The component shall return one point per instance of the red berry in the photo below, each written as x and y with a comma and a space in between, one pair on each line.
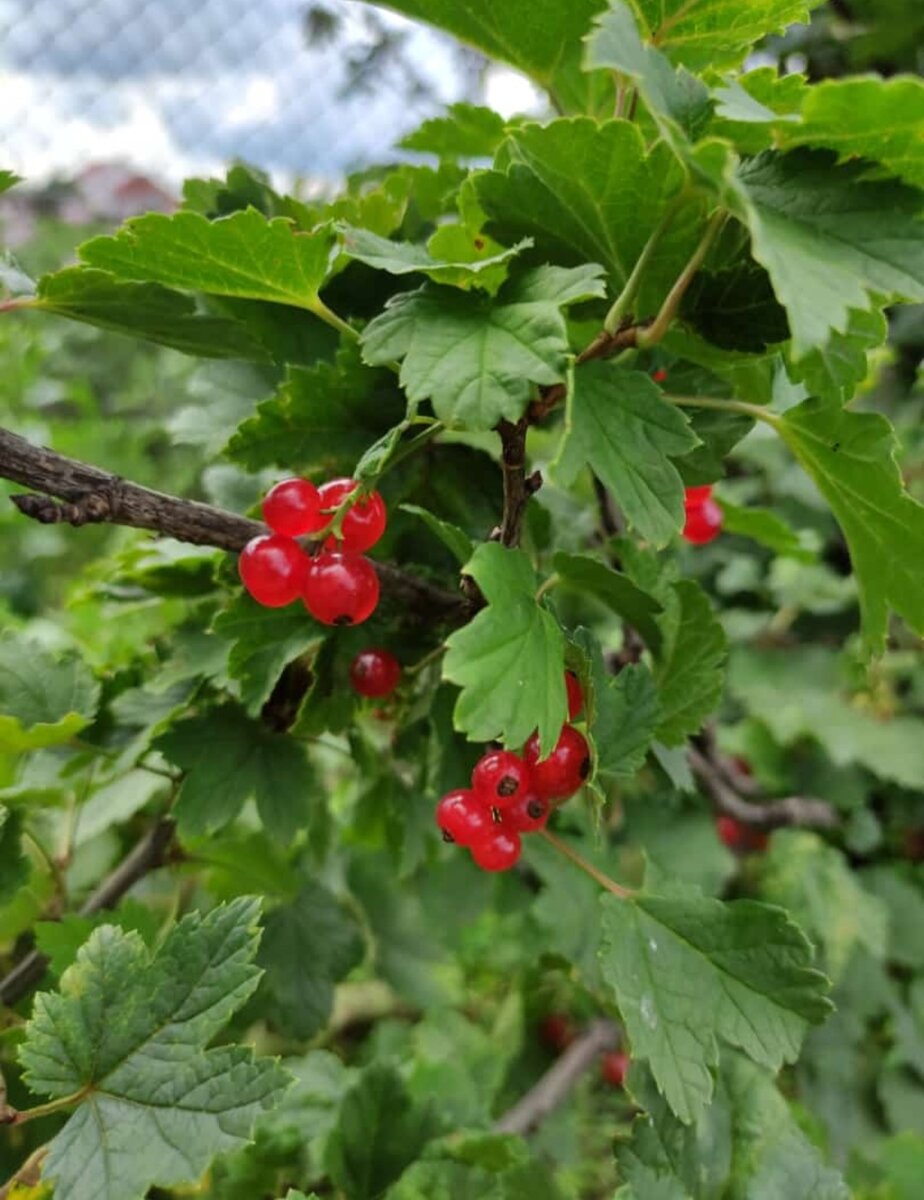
575, 695
613, 1067
694, 496
660, 375
556, 1031
273, 569
738, 836
704, 520
498, 851
292, 507
375, 673
363, 524
529, 814
500, 778
341, 589
463, 819
562, 773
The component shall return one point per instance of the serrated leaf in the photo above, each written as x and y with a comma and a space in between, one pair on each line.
128, 1032
691, 971
61, 940
454, 538
145, 310
623, 712
307, 947
865, 117
750, 107
264, 641
476, 358
44, 700
228, 758
831, 240
834, 370
850, 456
615, 590
509, 660
405, 258
689, 672
618, 423
765, 526
242, 255
378, 1134
14, 866
558, 183
465, 131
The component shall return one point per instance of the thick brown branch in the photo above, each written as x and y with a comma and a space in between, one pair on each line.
150, 852
603, 345
92, 495
557, 1082
772, 814
517, 486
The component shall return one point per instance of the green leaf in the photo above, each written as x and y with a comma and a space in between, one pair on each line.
476, 358
14, 866
831, 240
242, 255
405, 258
378, 1134
905, 904
557, 183
623, 712
735, 308
509, 660
44, 700
834, 370
61, 940
715, 33
308, 946
689, 672
8, 179
850, 456
128, 1030
264, 641
322, 419
145, 310
618, 423
466, 131
454, 538
227, 758
690, 971
481, 1167
865, 117
614, 589
764, 526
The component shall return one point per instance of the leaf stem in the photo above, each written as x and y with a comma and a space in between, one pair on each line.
609, 885
53, 1106
547, 584
626, 297
433, 655
738, 406
320, 309
53, 866
659, 327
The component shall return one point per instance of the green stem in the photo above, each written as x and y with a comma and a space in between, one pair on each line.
736, 406
546, 586
320, 309
609, 885
53, 867
412, 446
53, 1106
626, 297
659, 327
434, 654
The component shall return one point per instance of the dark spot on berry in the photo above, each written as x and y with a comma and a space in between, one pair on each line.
507, 786
535, 808
495, 816
343, 619
585, 766
447, 837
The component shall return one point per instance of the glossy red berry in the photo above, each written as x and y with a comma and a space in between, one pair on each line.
740, 837
341, 589
498, 851
529, 814
703, 519
363, 524
614, 1065
292, 507
660, 375
557, 1031
575, 695
500, 778
273, 569
463, 819
694, 496
562, 773
375, 672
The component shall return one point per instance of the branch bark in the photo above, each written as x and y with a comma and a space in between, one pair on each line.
803, 811
517, 486
553, 1088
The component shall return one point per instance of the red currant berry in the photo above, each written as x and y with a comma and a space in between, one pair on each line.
498, 851
557, 1031
562, 773
363, 524
463, 819
292, 507
575, 695
375, 673
500, 778
660, 375
703, 522
341, 589
742, 838
273, 569
529, 814
694, 496
614, 1065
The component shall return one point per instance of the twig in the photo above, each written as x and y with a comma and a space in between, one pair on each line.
546, 1095
659, 327
603, 345
28, 1174
149, 853
92, 495
774, 814
517, 487
598, 876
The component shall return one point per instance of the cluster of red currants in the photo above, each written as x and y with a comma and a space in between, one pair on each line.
338, 585
703, 515
513, 794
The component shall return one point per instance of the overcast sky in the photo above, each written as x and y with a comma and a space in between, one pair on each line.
178, 87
